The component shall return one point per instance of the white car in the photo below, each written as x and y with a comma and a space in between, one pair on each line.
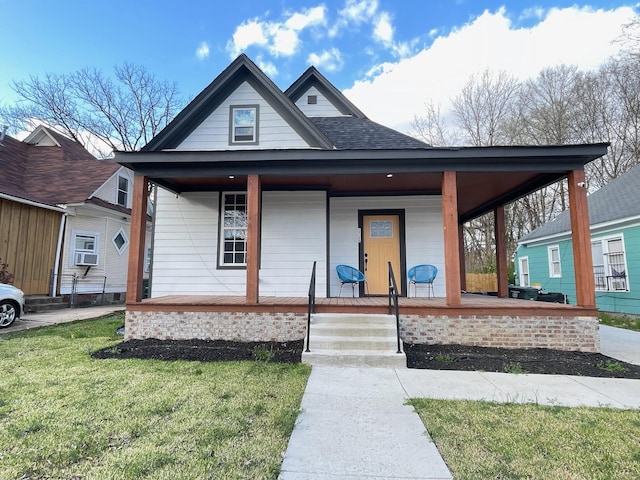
11, 304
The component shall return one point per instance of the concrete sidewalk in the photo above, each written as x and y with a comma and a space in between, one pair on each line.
35, 320
354, 424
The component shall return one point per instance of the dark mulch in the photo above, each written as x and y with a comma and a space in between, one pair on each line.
204, 350
535, 360
434, 357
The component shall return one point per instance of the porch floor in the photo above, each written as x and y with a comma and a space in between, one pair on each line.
470, 304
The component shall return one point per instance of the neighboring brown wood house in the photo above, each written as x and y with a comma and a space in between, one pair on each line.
257, 184
64, 216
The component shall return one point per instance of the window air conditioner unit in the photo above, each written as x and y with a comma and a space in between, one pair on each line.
86, 259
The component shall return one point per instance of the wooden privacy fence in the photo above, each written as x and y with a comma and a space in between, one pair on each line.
28, 239
482, 282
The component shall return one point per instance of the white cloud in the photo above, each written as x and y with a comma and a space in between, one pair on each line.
355, 12
269, 69
393, 92
278, 38
328, 60
202, 51
382, 29
247, 34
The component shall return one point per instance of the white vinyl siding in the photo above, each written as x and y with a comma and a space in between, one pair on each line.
111, 271
322, 107
186, 245
294, 235
423, 230
213, 132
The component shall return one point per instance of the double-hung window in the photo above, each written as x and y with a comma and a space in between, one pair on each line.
123, 191
234, 229
243, 124
609, 264
524, 272
555, 269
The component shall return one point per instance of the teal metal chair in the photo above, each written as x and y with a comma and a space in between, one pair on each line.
351, 276
422, 274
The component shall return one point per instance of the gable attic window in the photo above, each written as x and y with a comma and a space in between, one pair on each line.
243, 124
233, 232
123, 191
312, 99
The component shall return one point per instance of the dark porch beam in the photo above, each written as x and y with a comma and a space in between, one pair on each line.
581, 240
451, 243
254, 195
501, 251
137, 238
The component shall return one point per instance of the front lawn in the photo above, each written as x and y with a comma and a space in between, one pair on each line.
485, 441
64, 414
630, 322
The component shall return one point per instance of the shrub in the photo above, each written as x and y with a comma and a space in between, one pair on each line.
5, 276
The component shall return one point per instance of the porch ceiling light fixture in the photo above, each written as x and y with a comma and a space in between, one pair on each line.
389, 175
232, 177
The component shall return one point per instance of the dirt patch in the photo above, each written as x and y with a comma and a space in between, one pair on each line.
434, 357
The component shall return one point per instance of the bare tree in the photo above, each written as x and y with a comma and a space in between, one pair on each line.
432, 127
119, 112
484, 106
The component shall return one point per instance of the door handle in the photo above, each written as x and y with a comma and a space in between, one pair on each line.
366, 260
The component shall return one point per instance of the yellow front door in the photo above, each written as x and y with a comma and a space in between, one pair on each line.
381, 244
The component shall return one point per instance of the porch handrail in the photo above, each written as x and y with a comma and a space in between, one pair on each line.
312, 302
393, 302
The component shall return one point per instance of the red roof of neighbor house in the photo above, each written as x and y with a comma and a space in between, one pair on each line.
50, 174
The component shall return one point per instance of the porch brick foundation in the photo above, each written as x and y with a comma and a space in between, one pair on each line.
245, 327
558, 333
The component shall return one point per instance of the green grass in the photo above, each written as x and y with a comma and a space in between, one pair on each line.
66, 415
482, 440
620, 321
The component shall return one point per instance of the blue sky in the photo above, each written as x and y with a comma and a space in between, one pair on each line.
389, 56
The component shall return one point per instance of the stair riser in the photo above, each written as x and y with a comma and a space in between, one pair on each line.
348, 345
397, 361
356, 320
336, 331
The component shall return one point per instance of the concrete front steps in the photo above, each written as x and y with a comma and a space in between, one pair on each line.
354, 340
44, 303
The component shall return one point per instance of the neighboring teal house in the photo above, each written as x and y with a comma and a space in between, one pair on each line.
545, 256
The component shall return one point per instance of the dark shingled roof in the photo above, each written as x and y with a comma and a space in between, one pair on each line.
352, 133
617, 200
50, 174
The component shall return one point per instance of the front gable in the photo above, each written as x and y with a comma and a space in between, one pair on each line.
329, 101
272, 129
205, 124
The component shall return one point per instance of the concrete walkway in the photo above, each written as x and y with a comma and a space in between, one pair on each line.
354, 424
34, 320
620, 343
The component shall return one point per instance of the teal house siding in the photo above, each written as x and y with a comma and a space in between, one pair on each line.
614, 216
621, 301
539, 268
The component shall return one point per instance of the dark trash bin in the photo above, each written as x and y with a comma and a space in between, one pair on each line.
555, 297
523, 293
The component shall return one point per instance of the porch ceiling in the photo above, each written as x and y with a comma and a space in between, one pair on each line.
486, 176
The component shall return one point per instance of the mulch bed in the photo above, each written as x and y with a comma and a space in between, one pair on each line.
434, 357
